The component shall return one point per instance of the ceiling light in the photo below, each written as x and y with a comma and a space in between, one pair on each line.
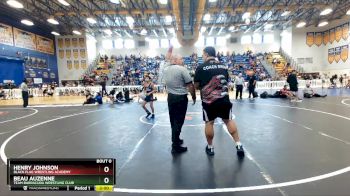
246, 15
231, 28
115, 1
130, 20
53, 21
76, 32
285, 13
326, 11
91, 20
63, 2
212, 1
108, 31
268, 26
227, 36
55, 33
144, 32
15, 4
301, 24
322, 24
171, 30
163, 2
203, 29
206, 17
247, 21
168, 19
27, 22
348, 12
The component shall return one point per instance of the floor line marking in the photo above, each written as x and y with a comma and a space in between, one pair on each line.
344, 102
3, 146
35, 111
262, 170
335, 138
136, 148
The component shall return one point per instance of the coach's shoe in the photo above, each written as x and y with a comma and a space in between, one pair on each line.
240, 151
152, 116
178, 149
148, 114
209, 151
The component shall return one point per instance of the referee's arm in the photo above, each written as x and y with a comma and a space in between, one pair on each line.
188, 81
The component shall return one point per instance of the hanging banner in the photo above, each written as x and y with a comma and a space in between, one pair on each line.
34, 62
68, 54
52, 75
82, 42
24, 39
338, 33
61, 54
82, 53
331, 36
310, 38
345, 31
60, 42
331, 55
45, 45
69, 64
75, 53
75, 42
318, 38
325, 37
337, 52
344, 53
83, 64
6, 34
67, 42
45, 74
76, 64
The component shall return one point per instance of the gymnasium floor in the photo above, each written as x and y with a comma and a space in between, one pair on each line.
292, 148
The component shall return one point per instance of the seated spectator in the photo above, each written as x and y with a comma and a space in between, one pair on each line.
98, 98
112, 95
2, 93
348, 84
89, 98
309, 92
285, 93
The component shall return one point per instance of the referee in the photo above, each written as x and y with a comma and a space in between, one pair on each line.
178, 82
25, 94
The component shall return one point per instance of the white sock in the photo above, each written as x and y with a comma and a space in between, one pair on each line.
238, 144
210, 146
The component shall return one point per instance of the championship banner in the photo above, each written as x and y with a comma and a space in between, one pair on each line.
61, 54
338, 33
318, 38
83, 64
68, 54
6, 34
82, 42
345, 31
45, 45
331, 35
69, 64
60, 42
67, 42
337, 53
76, 53
310, 38
24, 39
331, 55
52, 75
76, 64
325, 37
45, 74
34, 62
82, 53
344, 53
75, 42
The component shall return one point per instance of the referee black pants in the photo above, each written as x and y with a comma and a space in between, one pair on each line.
25, 97
239, 90
177, 105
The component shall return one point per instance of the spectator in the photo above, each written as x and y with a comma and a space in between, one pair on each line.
309, 92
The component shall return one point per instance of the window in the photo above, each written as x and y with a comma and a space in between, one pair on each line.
153, 43
210, 41
221, 41
246, 39
200, 42
118, 43
164, 43
257, 38
107, 44
129, 43
268, 38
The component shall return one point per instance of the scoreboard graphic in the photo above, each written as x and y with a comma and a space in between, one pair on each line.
61, 174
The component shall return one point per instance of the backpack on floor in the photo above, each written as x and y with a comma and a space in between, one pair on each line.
264, 95
255, 94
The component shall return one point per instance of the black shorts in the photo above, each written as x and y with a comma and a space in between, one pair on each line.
221, 109
149, 98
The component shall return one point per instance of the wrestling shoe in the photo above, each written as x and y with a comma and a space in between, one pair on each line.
178, 149
240, 151
148, 114
209, 151
152, 116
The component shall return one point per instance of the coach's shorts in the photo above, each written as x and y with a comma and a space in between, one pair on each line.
221, 110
